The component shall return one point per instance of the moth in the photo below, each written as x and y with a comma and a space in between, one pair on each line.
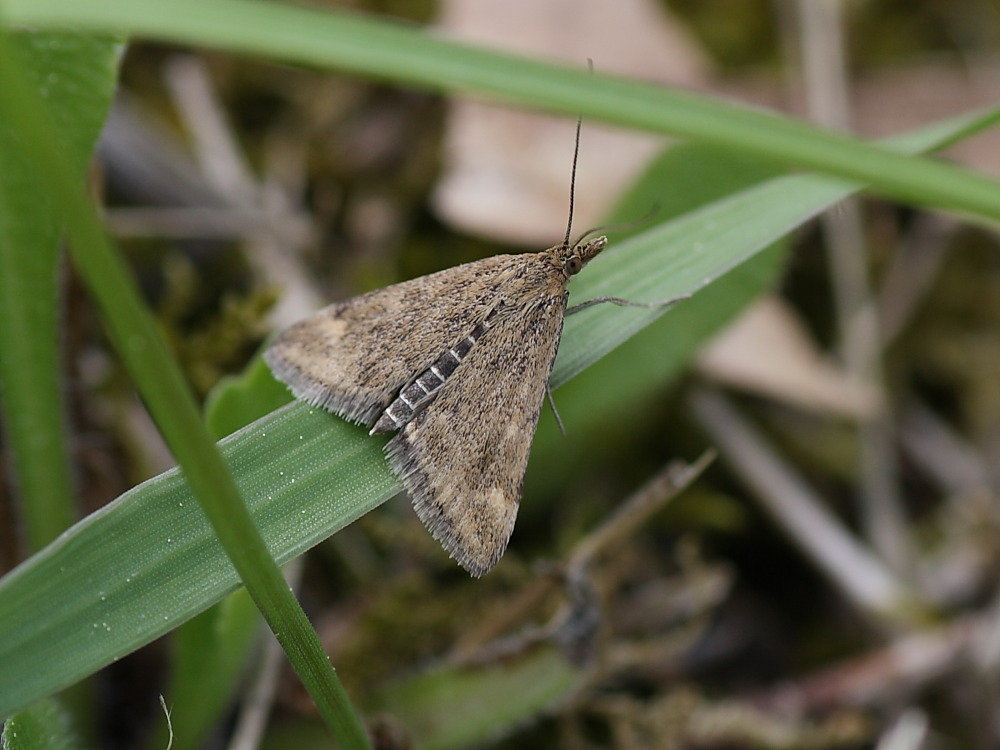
457, 364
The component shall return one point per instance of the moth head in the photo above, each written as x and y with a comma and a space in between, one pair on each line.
574, 257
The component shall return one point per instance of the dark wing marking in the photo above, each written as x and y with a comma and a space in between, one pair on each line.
462, 458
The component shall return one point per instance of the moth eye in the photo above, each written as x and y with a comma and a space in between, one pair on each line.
573, 265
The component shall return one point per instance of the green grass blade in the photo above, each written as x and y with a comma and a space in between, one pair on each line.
149, 561
210, 652
44, 725
237, 401
454, 708
78, 74
392, 51
683, 256
160, 382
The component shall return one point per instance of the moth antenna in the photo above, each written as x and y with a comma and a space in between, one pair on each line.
620, 226
572, 176
572, 183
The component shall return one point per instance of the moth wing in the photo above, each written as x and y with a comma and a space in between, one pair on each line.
353, 356
463, 457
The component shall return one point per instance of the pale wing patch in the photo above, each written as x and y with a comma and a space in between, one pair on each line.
352, 357
462, 458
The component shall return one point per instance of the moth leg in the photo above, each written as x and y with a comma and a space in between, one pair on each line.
624, 303
555, 411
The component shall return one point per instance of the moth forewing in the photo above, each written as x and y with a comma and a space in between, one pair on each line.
462, 459
353, 357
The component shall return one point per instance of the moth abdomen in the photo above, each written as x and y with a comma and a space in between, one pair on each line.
419, 392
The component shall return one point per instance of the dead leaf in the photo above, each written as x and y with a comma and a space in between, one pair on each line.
507, 172
767, 351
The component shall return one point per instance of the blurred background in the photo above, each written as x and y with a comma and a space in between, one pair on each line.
829, 580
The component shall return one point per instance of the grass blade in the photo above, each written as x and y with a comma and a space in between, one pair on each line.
391, 51
170, 402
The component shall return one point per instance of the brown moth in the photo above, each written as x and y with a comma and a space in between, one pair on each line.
457, 363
